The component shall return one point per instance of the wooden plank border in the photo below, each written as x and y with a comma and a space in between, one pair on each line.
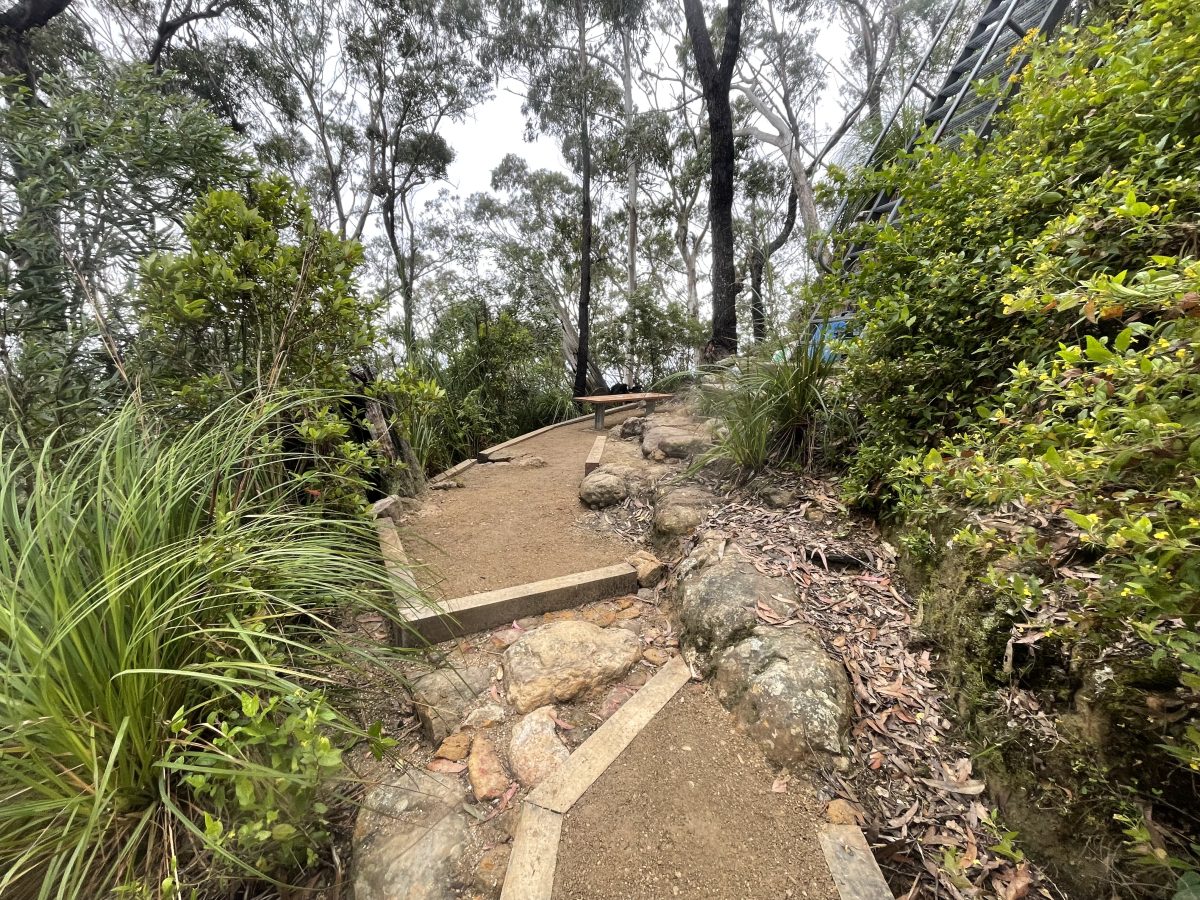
485, 455
479, 612
561, 790
855, 872
593, 459
531, 868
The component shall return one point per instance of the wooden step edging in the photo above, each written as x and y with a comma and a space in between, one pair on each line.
855, 872
486, 455
534, 857
480, 612
431, 624
593, 459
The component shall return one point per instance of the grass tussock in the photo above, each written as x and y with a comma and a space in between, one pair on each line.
169, 658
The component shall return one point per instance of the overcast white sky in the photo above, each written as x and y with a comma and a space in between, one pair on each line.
497, 129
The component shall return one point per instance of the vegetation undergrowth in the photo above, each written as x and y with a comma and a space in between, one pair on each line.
776, 405
1024, 364
171, 662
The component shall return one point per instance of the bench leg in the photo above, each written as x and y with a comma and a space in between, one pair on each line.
599, 421
650, 406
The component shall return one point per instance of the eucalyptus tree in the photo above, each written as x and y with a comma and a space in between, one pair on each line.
715, 75
554, 44
421, 67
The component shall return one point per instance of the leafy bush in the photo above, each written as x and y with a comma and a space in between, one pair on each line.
1025, 364
1091, 171
263, 299
168, 660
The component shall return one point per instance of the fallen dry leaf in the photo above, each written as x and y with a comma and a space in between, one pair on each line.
446, 766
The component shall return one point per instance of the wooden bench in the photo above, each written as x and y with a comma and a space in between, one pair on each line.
601, 402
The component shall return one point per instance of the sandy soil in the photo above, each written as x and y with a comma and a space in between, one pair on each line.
688, 811
512, 524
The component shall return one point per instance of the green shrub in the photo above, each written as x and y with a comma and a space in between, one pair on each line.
1025, 364
1093, 169
169, 658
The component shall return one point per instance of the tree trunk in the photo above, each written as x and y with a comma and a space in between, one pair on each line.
759, 257
585, 233
715, 80
631, 211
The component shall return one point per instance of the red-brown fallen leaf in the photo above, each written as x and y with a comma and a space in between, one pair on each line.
446, 766
505, 799
565, 726
1018, 887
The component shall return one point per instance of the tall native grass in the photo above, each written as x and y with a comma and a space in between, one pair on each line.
169, 658
775, 405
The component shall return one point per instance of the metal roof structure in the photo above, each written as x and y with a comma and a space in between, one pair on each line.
995, 50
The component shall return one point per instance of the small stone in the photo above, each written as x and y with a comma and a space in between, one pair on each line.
636, 678
489, 779
629, 612
600, 615
485, 717
529, 622
442, 697
493, 865
530, 462
776, 497
505, 638
645, 595
560, 615
658, 456
625, 602
535, 750
654, 656
614, 700
602, 489
447, 485
632, 427
455, 746
650, 569
841, 812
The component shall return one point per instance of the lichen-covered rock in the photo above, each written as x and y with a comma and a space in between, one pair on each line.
602, 489
632, 427
680, 511
409, 836
534, 749
787, 693
674, 442
564, 660
442, 697
718, 605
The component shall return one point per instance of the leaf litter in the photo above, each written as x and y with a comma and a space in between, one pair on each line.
910, 777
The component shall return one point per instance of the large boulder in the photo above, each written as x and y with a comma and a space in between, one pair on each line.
672, 441
787, 693
442, 697
718, 604
563, 660
534, 749
602, 489
680, 511
408, 839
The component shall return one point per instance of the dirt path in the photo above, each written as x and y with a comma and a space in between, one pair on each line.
688, 811
511, 524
